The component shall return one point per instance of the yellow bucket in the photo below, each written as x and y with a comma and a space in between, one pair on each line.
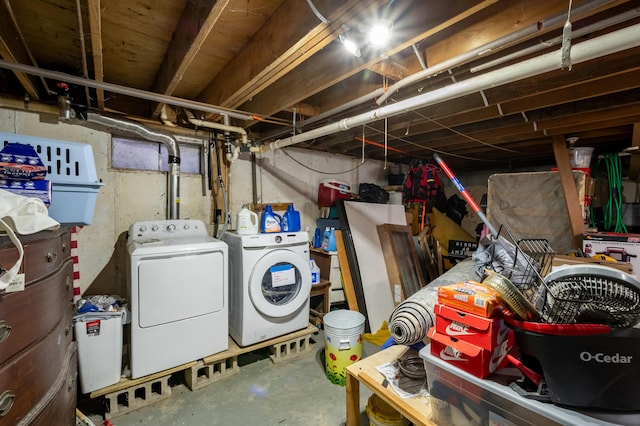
343, 331
382, 414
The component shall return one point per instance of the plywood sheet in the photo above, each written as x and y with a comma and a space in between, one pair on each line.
363, 219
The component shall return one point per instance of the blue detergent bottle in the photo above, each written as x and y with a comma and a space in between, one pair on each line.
291, 220
271, 221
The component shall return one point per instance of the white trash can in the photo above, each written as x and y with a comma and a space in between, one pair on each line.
99, 337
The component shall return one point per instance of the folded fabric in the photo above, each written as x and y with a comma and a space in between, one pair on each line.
22, 215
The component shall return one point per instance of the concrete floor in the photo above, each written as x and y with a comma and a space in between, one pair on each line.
292, 393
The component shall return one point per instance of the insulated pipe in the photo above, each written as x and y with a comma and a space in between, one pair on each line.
156, 136
613, 42
326, 114
605, 23
129, 91
232, 156
484, 49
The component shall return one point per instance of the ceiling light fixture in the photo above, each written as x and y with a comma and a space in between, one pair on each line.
380, 33
350, 45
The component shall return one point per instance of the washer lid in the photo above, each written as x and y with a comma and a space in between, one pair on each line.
280, 283
176, 245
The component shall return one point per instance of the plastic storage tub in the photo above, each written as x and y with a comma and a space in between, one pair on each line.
456, 393
72, 172
99, 337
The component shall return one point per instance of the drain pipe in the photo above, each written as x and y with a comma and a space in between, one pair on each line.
232, 153
117, 123
607, 44
343, 107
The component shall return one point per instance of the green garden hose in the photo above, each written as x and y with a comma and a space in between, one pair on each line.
612, 210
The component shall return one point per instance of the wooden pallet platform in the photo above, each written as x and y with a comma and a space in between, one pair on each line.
131, 394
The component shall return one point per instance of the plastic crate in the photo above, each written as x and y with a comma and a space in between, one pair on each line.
72, 172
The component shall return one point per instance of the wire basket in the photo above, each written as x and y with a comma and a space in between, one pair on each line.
560, 302
523, 261
605, 295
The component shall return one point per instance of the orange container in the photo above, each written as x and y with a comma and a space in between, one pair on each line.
469, 296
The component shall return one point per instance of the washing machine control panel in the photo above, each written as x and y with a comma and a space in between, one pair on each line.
167, 229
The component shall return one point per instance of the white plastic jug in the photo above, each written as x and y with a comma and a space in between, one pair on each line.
247, 221
315, 271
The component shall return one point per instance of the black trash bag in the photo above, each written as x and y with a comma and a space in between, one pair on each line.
456, 209
373, 193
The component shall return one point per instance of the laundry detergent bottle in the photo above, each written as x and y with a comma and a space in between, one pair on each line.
291, 220
271, 221
247, 221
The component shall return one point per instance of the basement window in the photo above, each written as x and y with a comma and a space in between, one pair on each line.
133, 154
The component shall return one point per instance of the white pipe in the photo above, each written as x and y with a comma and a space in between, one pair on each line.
343, 107
164, 117
606, 23
485, 49
235, 152
607, 44
218, 126
130, 91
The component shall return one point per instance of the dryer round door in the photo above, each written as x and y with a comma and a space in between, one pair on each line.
280, 283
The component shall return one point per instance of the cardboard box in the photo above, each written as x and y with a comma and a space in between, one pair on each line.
29, 188
469, 296
486, 333
622, 247
468, 357
21, 161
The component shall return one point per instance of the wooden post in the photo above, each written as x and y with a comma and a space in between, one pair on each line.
569, 189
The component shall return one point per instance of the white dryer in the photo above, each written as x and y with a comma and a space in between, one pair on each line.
269, 285
178, 294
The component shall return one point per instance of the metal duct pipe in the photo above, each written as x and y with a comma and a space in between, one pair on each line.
484, 49
613, 42
144, 132
129, 91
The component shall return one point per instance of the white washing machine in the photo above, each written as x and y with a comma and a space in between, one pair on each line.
178, 294
269, 285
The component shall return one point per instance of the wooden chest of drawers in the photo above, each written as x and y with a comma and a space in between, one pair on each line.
38, 365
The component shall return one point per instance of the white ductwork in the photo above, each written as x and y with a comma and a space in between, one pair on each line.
233, 152
613, 42
128, 126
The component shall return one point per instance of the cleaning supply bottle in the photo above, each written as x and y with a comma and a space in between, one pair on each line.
317, 238
291, 220
329, 240
315, 272
247, 223
271, 221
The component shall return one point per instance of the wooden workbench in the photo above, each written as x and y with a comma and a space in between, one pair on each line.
416, 409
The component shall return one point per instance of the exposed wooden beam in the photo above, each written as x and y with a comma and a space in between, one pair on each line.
195, 25
12, 48
634, 166
279, 47
331, 66
95, 29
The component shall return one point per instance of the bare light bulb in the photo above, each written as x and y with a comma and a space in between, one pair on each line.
380, 33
